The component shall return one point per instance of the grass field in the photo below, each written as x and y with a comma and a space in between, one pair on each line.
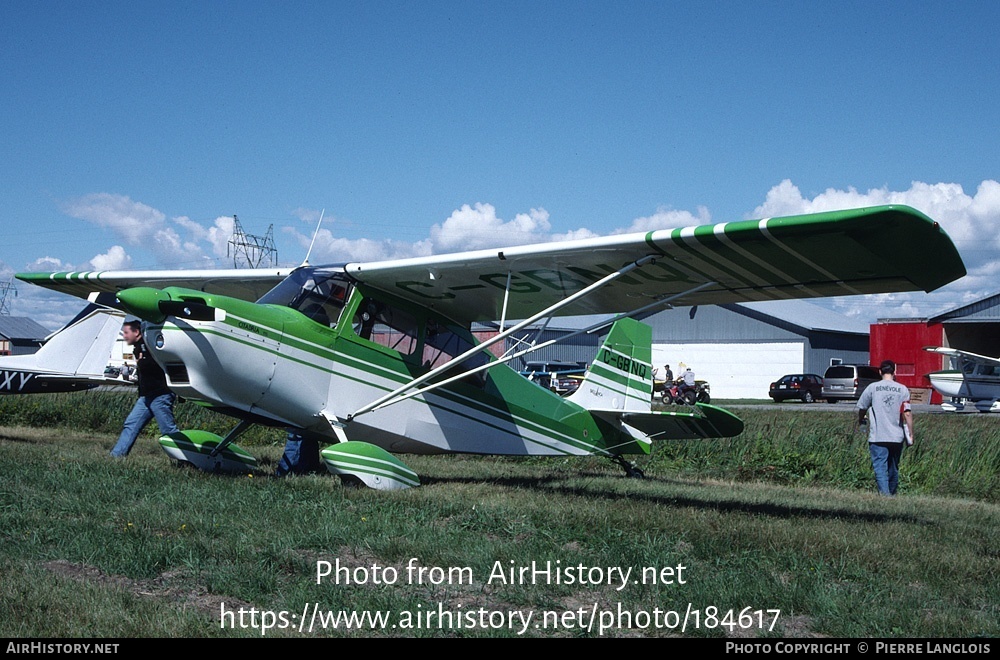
782, 518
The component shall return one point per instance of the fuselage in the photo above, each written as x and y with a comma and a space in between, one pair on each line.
33, 381
311, 367
972, 383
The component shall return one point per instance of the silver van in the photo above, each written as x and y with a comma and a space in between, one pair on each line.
848, 381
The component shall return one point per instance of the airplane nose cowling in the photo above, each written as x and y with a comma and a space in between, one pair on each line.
144, 302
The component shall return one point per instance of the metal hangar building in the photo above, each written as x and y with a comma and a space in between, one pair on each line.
740, 349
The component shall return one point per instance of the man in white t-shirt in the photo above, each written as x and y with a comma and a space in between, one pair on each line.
890, 425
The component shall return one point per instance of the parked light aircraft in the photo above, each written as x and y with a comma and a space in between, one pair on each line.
71, 359
973, 377
378, 357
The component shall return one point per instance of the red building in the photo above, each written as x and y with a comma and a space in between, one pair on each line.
973, 327
903, 341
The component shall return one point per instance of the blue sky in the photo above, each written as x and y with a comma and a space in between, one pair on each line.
132, 132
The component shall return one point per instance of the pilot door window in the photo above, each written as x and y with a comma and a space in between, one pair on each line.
442, 344
387, 326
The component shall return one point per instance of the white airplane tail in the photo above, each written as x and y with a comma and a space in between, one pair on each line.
618, 390
83, 347
621, 376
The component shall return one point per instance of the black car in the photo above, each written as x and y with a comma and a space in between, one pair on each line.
805, 387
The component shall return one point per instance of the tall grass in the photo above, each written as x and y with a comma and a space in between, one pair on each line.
953, 454
104, 411
956, 455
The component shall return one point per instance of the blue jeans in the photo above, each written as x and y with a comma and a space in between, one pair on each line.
301, 455
146, 408
885, 463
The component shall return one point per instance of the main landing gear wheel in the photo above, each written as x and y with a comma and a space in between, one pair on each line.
631, 471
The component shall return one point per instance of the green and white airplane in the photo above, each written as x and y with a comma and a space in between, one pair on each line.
379, 359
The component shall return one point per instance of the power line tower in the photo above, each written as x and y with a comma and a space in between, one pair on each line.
7, 290
250, 251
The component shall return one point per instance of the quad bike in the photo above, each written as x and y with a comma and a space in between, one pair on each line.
671, 393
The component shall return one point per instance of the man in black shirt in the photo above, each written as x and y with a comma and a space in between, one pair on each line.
155, 398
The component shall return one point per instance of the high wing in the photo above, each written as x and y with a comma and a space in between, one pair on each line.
246, 284
964, 355
860, 251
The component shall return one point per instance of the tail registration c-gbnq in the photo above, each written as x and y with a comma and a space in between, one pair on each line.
378, 358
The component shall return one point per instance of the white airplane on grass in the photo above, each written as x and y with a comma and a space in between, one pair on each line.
71, 359
974, 377
379, 357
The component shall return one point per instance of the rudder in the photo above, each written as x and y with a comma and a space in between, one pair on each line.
621, 376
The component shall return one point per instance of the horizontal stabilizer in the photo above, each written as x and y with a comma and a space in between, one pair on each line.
703, 421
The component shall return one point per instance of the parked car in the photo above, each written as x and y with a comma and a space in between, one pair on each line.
566, 385
844, 382
805, 387
552, 374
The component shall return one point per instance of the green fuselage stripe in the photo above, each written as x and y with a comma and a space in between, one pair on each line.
338, 357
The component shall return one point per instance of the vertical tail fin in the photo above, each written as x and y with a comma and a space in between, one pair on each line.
83, 347
621, 376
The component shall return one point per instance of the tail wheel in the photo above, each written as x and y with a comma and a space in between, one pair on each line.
689, 397
808, 397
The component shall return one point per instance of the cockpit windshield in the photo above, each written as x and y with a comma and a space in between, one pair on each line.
319, 293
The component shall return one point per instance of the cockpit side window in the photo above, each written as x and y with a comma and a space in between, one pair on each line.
441, 344
386, 325
319, 295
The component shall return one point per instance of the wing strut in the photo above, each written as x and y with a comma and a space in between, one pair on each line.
638, 263
533, 348
397, 396
506, 297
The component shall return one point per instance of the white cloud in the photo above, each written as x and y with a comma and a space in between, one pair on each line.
328, 248
972, 222
114, 259
46, 264
218, 235
133, 221
478, 226
143, 227
308, 216
668, 219
469, 227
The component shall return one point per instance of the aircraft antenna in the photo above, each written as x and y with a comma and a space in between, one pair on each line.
305, 262
7, 289
251, 251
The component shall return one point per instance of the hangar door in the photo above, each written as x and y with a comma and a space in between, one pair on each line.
735, 371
